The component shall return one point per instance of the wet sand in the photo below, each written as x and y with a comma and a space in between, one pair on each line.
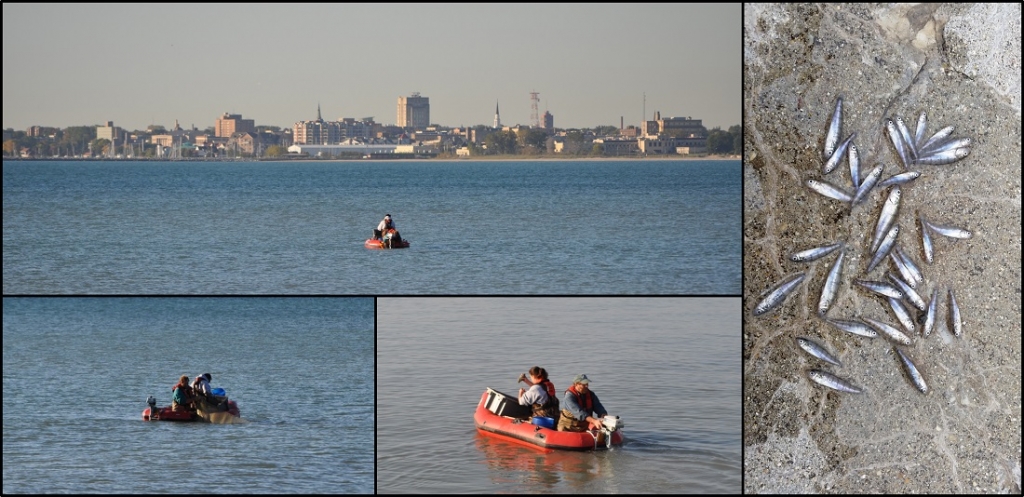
960, 64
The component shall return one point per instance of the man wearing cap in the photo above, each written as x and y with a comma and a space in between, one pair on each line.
581, 409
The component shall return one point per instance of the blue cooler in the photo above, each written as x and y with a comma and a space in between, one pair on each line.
545, 422
218, 392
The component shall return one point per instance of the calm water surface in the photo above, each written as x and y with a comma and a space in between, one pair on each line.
670, 367
533, 227
77, 372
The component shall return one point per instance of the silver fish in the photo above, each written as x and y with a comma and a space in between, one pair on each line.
831, 287
919, 133
901, 267
832, 381
955, 323
890, 331
897, 142
926, 241
834, 125
909, 293
907, 140
867, 184
938, 137
816, 350
829, 190
778, 294
902, 315
912, 372
853, 327
900, 179
916, 278
929, 317
814, 253
950, 231
883, 248
833, 162
887, 216
853, 157
880, 287
944, 157
946, 145
810, 346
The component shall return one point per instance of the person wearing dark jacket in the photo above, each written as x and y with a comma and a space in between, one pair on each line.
581, 409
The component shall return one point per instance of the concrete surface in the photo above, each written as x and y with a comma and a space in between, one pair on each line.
961, 64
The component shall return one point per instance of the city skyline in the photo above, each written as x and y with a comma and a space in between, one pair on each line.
140, 65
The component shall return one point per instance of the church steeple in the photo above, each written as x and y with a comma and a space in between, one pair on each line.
318, 118
497, 115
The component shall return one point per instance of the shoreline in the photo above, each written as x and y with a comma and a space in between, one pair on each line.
499, 158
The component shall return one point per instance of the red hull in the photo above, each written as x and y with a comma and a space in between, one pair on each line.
376, 244
168, 414
523, 432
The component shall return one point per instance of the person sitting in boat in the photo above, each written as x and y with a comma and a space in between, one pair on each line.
387, 231
541, 394
181, 395
201, 385
581, 410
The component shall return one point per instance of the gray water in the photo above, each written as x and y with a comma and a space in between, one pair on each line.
77, 372
670, 367
501, 228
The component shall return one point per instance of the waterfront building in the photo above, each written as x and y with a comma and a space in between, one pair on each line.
549, 123
229, 124
365, 150
316, 132
109, 132
681, 127
414, 111
320, 132
618, 146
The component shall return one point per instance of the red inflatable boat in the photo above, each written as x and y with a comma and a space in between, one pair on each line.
154, 413
377, 244
514, 427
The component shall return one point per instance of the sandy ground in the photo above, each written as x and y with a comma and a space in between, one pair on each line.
961, 64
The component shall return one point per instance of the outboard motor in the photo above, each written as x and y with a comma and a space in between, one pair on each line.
152, 407
610, 424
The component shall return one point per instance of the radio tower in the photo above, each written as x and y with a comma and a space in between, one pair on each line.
534, 114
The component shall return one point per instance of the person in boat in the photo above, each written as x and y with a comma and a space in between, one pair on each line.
181, 395
581, 409
201, 385
385, 228
541, 394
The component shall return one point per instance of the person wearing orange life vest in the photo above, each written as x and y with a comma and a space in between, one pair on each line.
181, 395
581, 409
541, 394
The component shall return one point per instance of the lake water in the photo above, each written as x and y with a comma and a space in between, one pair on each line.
500, 228
77, 372
669, 367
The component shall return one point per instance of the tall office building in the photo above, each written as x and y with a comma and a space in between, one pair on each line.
414, 111
229, 124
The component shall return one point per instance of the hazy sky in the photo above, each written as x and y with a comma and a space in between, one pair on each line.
137, 65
